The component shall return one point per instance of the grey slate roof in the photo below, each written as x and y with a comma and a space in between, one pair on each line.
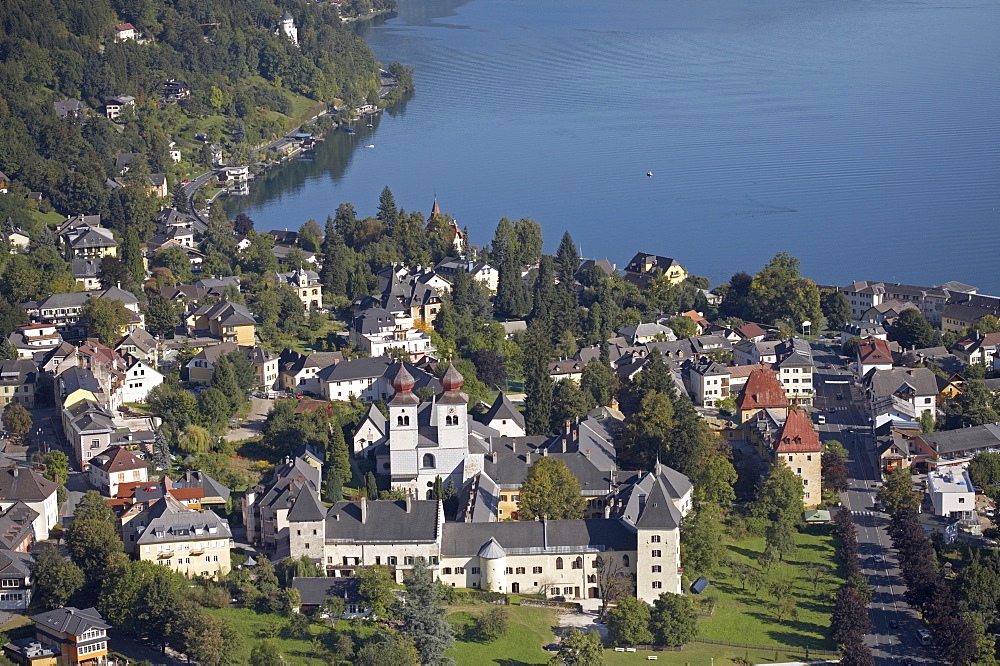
70, 620
491, 550
307, 507
897, 381
964, 439
199, 479
25, 484
467, 539
171, 521
503, 408
373, 320
16, 565
314, 591
86, 268
386, 522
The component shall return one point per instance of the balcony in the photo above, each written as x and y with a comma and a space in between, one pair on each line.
163, 554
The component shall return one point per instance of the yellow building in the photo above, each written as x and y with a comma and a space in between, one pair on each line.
63, 637
87, 242
798, 447
193, 543
648, 265
307, 286
18, 381
231, 322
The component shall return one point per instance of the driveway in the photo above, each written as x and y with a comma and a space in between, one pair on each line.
254, 423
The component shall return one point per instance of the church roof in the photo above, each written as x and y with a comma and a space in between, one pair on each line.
762, 390
503, 408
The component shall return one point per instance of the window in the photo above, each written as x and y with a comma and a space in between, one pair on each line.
446, 570
503, 498
961, 500
509, 570
798, 470
657, 553
515, 498
536, 570
475, 570
655, 538
428, 460
791, 458
809, 458
657, 585
578, 563
805, 482
460, 570
624, 560
408, 560
559, 563
392, 560
10, 582
519, 570
11, 596
657, 568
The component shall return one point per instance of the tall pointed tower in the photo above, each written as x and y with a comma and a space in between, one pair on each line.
451, 412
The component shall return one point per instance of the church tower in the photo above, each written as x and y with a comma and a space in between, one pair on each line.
451, 412
403, 427
288, 29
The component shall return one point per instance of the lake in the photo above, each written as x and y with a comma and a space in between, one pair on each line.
861, 137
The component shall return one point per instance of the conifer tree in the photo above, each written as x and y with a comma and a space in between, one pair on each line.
337, 454
333, 489
423, 615
537, 385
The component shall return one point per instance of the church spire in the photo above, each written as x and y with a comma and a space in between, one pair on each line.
435, 209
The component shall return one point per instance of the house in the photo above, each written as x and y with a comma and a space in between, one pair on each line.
708, 382
307, 286
265, 364
63, 637
266, 506
286, 27
643, 333
372, 431
605, 266
140, 379
17, 379
193, 543
873, 354
157, 185
411, 295
87, 272
566, 368
795, 370
125, 31
89, 242
88, 426
16, 579
953, 447
751, 332
231, 322
265, 367
644, 266
481, 271
862, 329
315, 591
951, 492
63, 310
69, 108
376, 332
114, 106
114, 466
173, 90
4, 183
748, 352
886, 312
298, 373
762, 391
367, 379
25, 485
17, 532
504, 417
139, 344
905, 392
30, 339
284, 255
174, 152
797, 446
864, 295
16, 238
978, 348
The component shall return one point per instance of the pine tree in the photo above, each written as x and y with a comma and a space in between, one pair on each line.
371, 486
224, 379
388, 214
438, 488
333, 489
337, 454
161, 451
544, 294
423, 615
538, 384
512, 297
132, 255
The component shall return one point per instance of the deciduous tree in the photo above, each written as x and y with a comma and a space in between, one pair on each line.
673, 621
376, 591
104, 319
579, 648
56, 579
550, 490
16, 419
628, 622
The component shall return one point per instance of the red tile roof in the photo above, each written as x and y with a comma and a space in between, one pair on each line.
874, 350
751, 331
118, 459
798, 435
762, 390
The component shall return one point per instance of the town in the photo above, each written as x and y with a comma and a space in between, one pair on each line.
401, 440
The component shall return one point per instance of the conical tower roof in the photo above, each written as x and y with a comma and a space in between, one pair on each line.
492, 550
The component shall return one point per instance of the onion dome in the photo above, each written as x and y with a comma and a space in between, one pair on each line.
403, 382
452, 380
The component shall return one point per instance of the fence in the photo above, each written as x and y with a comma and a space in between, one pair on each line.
784, 648
567, 605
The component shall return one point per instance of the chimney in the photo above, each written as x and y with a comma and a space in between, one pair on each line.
545, 533
527, 457
364, 510
568, 428
409, 503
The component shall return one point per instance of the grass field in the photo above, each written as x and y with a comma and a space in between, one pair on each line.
695, 654
745, 616
530, 629
297, 651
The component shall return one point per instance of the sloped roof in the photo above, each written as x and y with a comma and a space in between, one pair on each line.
24, 483
762, 390
314, 591
16, 565
492, 550
386, 522
307, 508
199, 479
797, 434
874, 350
118, 459
503, 408
70, 620
468, 539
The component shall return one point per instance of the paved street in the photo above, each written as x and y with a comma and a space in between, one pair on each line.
254, 423
894, 623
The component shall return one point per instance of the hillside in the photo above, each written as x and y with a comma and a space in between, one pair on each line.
242, 84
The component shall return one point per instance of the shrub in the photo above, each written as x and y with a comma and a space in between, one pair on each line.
492, 624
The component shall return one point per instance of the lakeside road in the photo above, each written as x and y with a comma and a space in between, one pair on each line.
894, 623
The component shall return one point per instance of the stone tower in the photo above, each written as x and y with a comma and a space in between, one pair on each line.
288, 29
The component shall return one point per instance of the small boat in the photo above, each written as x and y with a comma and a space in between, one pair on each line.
649, 174
370, 126
370, 145
349, 130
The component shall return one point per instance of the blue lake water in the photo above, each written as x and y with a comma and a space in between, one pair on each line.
862, 137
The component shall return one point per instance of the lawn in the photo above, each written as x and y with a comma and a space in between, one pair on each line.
746, 616
51, 218
530, 629
696, 653
251, 625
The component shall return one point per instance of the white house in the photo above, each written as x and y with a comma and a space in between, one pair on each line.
951, 491
140, 379
23, 484
115, 466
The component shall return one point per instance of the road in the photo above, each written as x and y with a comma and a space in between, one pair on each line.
893, 639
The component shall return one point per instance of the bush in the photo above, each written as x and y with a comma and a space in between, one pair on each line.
492, 624
495, 598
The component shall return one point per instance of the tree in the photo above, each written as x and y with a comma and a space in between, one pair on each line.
927, 423
579, 648
596, 379
779, 497
957, 639
897, 491
337, 453
850, 616
387, 214
780, 538
114, 273
104, 319
423, 615
333, 487
195, 439
265, 653
912, 330
702, 540
683, 327
850, 347
224, 379
673, 621
242, 225
161, 317
836, 308
569, 403
215, 643
56, 579
538, 383
492, 624
628, 622
778, 292
716, 478
176, 261
856, 653
386, 649
16, 419
375, 590
371, 486
550, 490
834, 471
984, 468
91, 538
56, 466
215, 408
8, 352
132, 255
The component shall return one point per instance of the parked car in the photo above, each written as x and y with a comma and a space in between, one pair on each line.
840, 396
